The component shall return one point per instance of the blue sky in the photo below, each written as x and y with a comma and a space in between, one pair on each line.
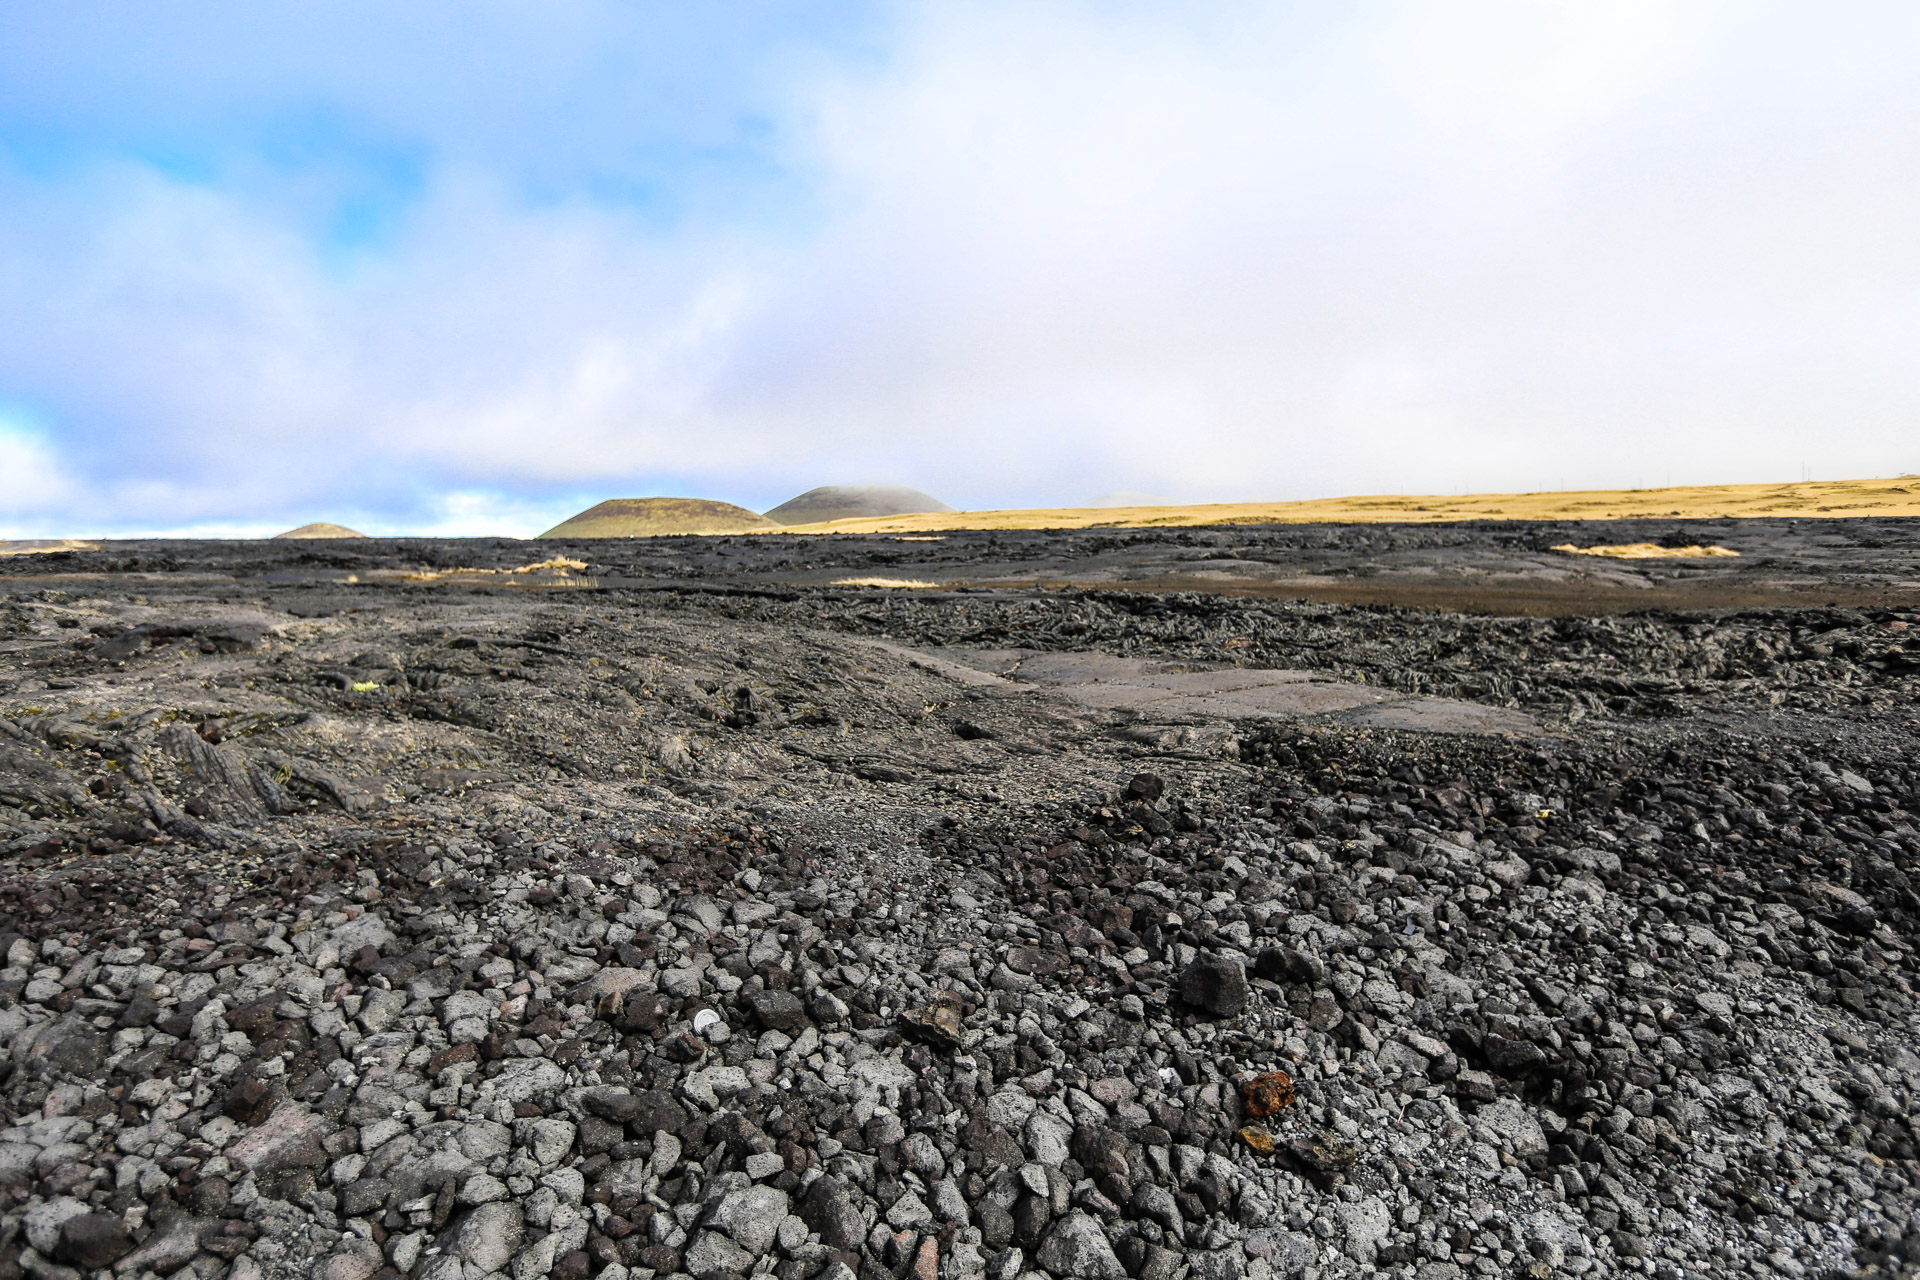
468, 267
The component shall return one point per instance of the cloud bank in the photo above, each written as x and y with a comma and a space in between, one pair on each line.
466, 267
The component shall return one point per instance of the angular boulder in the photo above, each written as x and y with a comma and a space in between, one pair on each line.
1075, 1248
827, 1210
290, 1138
1215, 984
486, 1238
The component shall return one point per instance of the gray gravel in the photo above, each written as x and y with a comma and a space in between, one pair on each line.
626, 936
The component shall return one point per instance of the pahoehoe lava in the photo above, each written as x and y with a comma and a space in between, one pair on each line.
1150, 903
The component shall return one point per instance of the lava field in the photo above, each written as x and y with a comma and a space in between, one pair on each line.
1106, 909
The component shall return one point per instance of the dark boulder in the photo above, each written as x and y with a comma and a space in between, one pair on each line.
826, 1209
1215, 984
66, 1046
778, 1010
608, 1103
93, 1240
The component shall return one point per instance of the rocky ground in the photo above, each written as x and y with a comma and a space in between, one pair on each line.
368, 915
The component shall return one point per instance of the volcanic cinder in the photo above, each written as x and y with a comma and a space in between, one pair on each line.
852, 502
321, 529
1110, 909
653, 517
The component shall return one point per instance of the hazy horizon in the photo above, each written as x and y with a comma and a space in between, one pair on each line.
463, 269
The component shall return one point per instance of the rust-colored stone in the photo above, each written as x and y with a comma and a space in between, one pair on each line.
1267, 1094
1258, 1140
939, 1024
926, 1263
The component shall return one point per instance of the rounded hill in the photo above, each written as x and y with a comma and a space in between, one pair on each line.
654, 517
321, 530
854, 502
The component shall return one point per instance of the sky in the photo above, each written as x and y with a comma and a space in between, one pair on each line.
466, 268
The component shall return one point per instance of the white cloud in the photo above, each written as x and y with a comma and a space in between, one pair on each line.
1045, 250
495, 515
1215, 264
32, 485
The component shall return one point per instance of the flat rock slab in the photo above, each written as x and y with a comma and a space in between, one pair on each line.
1446, 715
1183, 691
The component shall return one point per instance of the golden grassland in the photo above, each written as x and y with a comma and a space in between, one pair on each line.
1820, 499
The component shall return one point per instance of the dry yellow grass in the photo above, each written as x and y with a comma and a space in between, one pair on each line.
557, 566
1823, 499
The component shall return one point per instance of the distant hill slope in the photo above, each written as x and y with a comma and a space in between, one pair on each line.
654, 517
854, 502
1816, 499
321, 530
